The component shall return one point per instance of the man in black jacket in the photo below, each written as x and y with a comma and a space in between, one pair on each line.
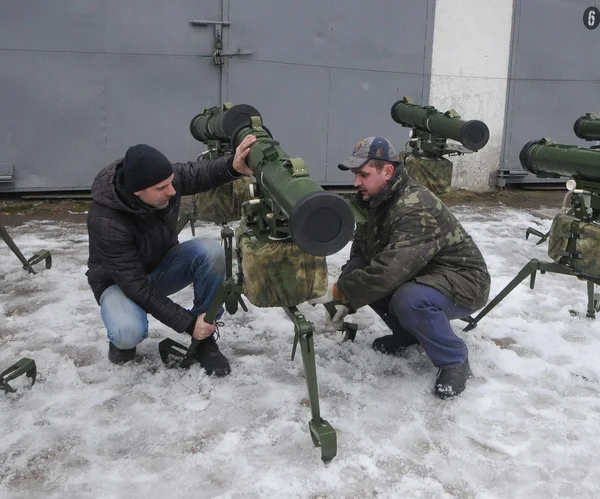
135, 260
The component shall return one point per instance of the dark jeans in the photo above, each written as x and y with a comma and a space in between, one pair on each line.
416, 311
197, 262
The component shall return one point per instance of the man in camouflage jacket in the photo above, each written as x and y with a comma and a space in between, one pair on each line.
412, 262
135, 259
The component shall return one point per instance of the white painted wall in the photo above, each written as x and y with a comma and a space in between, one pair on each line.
469, 73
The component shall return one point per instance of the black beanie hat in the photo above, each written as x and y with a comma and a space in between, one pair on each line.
143, 167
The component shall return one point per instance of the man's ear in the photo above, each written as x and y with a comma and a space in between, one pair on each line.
388, 170
137, 193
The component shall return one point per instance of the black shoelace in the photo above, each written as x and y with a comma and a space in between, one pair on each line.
218, 324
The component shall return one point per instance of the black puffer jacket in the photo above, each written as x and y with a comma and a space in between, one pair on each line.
128, 239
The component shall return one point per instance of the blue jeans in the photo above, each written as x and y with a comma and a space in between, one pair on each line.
418, 312
201, 263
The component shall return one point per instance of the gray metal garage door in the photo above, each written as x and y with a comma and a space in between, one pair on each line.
325, 74
82, 80
554, 79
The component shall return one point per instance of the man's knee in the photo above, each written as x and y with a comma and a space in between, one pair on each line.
411, 302
127, 334
209, 255
126, 323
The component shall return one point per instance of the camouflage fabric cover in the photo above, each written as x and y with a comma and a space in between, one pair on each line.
575, 244
433, 173
223, 203
410, 235
278, 273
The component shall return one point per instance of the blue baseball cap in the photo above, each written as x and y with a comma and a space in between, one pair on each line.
367, 149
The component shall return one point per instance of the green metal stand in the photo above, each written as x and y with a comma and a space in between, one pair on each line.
322, 433
27, 264
230, 294
184, 218
530, 269
23, 366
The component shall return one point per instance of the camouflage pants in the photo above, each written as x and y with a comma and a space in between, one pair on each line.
415, 312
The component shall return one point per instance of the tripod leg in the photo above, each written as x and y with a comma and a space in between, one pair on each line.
322, 433
11, 244
591, 306
530, 268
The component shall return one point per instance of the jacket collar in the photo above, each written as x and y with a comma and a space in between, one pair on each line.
396, 184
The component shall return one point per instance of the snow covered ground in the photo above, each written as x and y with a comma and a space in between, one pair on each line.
526, 427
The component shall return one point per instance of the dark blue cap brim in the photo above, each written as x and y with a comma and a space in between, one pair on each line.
353, 162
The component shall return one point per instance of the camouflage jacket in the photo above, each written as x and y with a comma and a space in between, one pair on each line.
410, 235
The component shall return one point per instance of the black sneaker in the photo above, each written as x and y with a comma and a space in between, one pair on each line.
451, 381
210, 357
393, 344
120, 355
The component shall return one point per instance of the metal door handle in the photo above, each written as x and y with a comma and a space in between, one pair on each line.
202, 22
217, 24
238, 52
